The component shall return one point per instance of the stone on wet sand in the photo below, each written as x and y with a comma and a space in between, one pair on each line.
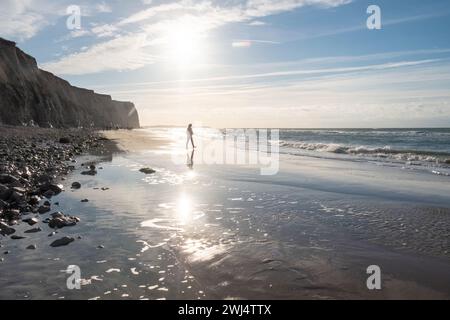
16, 237
62, 242
85, 200
32, 247
43, 209
49, 194
56, 188
31, 221
91, 171
147, 170
6, 230
76, 185
34, 230
60, 220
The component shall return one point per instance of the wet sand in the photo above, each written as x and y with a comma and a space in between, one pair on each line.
225, 232
134, 140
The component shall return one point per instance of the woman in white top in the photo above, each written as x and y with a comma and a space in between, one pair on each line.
189, 134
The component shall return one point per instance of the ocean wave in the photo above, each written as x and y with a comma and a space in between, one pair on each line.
373, 152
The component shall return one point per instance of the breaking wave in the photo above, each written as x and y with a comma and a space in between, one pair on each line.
385, 152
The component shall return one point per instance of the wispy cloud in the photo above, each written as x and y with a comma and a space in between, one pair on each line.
257, 23
123, 52
289, 73
103, 8
23, 19
154, 21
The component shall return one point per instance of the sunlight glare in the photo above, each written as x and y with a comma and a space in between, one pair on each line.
190, 175
184, 209
185, 44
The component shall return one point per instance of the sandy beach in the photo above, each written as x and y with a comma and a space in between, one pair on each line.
134, 140
198, 231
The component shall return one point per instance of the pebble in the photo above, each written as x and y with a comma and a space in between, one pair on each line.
49, 194
60, 220
76, 185
31, 221
32, 247
34, 230
62, 242
43, 209
34, 200
89, 173
147, 170
15, 237
6, 230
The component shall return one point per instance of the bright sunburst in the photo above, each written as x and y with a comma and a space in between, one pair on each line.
185, 44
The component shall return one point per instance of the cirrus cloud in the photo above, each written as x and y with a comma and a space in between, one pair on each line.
152, 21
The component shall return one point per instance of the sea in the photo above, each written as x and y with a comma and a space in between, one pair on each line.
424, 149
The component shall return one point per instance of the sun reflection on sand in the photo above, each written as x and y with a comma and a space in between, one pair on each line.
184, 209
190, 175
202, 250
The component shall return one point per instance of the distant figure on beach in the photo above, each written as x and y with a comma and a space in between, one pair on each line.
189, 134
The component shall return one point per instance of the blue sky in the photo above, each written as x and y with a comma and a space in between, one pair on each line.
250, 63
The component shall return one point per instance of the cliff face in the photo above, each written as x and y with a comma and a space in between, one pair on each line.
28, 94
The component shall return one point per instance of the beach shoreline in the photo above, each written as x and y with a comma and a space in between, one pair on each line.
305, 233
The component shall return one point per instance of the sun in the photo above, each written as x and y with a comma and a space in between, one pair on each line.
185, 44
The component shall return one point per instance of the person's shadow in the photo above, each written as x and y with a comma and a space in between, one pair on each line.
190, 159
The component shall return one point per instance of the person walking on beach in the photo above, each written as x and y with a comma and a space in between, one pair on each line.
189, 134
